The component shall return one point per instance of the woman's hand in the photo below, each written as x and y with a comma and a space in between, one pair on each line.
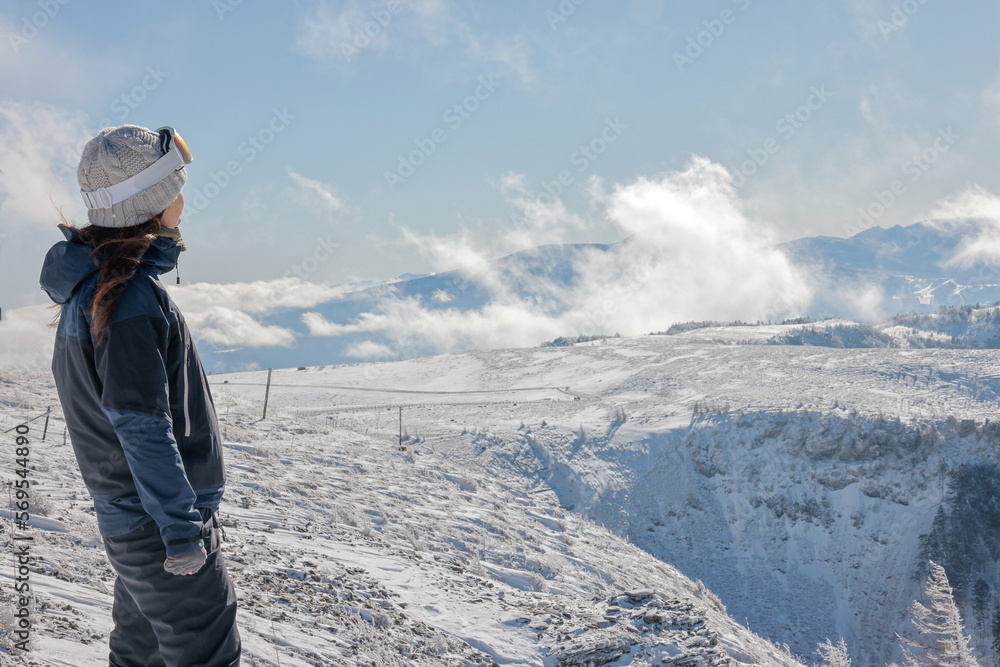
188, 562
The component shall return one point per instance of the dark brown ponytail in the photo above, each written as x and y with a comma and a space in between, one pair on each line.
117, 251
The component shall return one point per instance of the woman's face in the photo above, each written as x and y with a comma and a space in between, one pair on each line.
172, 215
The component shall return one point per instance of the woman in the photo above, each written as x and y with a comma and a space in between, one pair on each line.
138, 406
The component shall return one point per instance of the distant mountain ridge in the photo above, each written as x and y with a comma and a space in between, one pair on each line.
913, 266
890, 271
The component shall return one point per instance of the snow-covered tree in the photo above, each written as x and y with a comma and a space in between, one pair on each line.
941, 641
834, 655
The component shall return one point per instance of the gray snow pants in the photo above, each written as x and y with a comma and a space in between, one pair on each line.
167, 620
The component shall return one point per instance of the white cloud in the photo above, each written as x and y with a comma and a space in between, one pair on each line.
26, 339
410, 326
40, 148
542, 218
865, 14
973, 203
705, 258
368, 350
441, 296
222, 314
344, 32
331, 31
255, 297
233, 328
462, 252
324, 192
981, 208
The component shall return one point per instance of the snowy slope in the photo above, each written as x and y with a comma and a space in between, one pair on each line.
347, 550
545, 484
800, 506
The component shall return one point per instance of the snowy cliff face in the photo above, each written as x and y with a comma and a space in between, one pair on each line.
807, 523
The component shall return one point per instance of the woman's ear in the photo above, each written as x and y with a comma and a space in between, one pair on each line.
171, 216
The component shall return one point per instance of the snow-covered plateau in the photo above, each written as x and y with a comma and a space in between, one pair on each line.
632, 501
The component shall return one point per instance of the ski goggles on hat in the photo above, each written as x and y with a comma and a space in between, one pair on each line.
176, 154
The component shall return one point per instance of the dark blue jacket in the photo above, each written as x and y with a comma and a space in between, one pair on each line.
137, 406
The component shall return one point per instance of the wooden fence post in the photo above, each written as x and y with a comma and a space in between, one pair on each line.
267, 393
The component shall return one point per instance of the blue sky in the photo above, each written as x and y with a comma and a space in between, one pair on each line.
835, 100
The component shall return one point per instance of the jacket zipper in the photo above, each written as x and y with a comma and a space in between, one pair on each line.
187, 411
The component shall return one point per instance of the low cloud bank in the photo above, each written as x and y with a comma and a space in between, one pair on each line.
234, 314
980, 207
26, 340
690, 252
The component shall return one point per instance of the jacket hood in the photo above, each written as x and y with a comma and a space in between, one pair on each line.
69, 263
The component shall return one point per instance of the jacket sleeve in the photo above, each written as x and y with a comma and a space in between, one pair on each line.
132, 363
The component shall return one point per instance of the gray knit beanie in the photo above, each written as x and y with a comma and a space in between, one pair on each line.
118, 153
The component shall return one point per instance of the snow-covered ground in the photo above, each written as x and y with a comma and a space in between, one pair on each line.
348, 550
543, 498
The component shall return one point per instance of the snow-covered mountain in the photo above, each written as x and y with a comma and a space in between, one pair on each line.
877, 272
918, 267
